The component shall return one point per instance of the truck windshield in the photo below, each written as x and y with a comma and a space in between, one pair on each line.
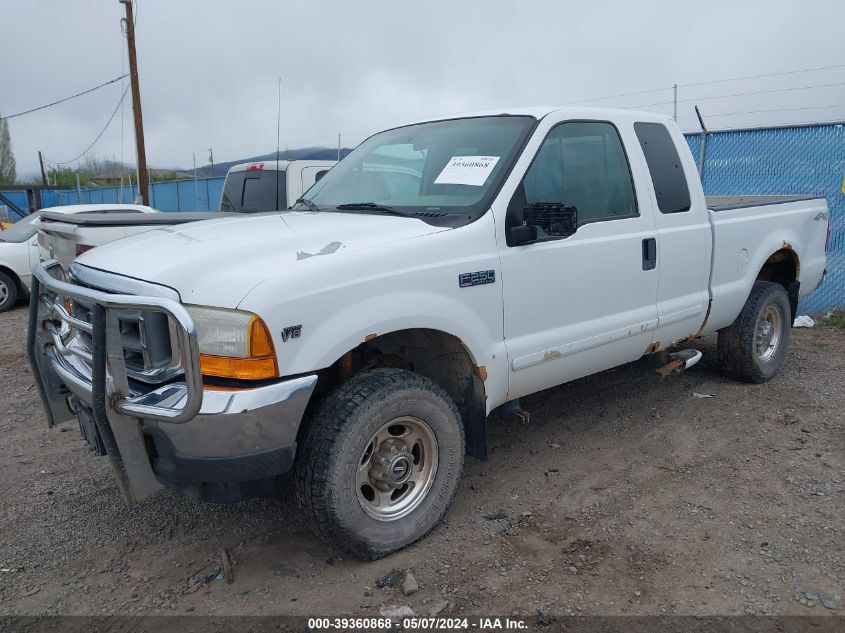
438, 168
253, 191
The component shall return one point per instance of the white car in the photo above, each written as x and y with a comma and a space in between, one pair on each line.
19, 247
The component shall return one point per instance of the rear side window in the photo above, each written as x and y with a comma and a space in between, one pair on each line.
667, 174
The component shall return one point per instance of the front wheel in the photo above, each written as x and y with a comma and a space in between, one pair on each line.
753, 347
380, 462
8, 292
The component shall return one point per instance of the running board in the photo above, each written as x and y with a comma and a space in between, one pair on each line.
678, 362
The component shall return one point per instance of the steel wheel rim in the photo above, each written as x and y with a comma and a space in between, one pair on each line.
767, 334
4, 292
397, 468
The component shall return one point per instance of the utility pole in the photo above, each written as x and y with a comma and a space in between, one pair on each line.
211, 160
676, 102
143, 178
43, 173
196, 187
338, 146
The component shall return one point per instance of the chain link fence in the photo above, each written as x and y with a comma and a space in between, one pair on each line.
800, 160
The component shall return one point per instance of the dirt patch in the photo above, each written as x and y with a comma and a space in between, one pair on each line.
624, 495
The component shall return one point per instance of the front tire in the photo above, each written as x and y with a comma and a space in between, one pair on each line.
8, 292
753, 348
380, 462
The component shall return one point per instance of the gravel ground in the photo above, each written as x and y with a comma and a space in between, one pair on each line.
623, 495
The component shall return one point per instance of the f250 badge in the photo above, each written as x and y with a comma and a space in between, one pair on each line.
292, 331
466, 280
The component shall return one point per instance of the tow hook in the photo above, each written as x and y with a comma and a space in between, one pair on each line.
678, 362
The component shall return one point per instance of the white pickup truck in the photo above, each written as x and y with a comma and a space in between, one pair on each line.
440, 271
270, 185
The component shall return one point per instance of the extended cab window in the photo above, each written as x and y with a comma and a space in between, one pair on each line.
667, 174
581, 165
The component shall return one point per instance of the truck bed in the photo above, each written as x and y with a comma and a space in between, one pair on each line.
747, 230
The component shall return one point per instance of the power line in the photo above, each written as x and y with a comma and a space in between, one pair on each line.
785, 72
702, 83
744, 94
78, 94
94, 142
624, 94
835, 105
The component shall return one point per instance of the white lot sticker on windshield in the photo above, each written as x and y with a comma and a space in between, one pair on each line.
467, 170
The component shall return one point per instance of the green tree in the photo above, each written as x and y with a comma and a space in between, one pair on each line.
7, 158
66, 177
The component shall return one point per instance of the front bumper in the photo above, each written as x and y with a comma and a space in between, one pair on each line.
179, 433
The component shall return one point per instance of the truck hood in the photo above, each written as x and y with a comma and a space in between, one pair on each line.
217, 262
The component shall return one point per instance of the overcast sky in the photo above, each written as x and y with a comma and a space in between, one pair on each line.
209, 69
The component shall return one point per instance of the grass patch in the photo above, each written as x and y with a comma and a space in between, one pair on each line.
837, 320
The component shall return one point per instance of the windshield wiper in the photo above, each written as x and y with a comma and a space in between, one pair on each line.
311, 206
374, 206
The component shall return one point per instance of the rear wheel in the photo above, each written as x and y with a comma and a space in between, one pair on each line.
753, 347
8, 292
380, 462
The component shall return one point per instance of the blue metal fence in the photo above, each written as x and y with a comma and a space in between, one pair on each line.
801, 160
174, 195
202, 194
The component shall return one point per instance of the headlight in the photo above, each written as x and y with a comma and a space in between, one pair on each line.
233, 344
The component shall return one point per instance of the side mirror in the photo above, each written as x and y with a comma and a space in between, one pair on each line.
521, 234
556, 220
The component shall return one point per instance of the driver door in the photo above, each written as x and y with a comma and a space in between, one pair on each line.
579, 304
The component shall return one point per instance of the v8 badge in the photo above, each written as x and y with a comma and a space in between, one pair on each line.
292, 331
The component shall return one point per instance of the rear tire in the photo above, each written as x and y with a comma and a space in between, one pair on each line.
753, 348
8, 292
380, 462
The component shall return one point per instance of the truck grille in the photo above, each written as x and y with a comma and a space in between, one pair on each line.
146, 340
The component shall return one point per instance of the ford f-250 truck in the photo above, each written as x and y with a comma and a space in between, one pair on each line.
438, 272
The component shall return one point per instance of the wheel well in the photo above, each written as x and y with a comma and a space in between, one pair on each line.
436, 355
783, 267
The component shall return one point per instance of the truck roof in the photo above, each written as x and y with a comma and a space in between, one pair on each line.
278, 165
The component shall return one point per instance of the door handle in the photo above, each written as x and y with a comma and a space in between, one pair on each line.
649, 253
